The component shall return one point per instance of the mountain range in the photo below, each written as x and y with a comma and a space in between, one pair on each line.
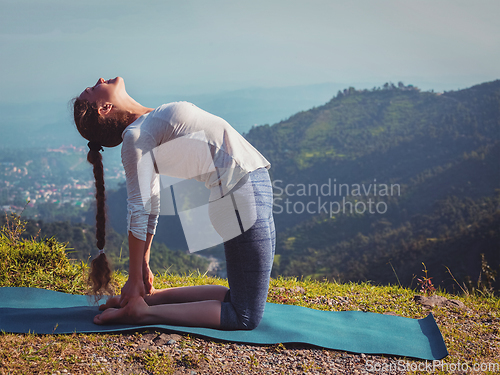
386, 185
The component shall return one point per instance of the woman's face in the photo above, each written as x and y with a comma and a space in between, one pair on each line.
104, 91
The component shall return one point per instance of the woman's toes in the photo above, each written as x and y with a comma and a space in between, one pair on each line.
97, 319
109, 315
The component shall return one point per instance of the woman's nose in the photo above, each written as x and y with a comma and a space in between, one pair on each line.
100, 80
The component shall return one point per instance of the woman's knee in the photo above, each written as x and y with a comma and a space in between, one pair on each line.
253, 321
232, 319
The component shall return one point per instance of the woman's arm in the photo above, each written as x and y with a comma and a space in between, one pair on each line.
142, 207
147, 275
139, 253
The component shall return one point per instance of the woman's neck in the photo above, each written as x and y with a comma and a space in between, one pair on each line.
133, 109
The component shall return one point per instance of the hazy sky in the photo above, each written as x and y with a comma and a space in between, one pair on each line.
52, 49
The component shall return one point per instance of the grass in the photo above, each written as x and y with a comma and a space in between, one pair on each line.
472, 335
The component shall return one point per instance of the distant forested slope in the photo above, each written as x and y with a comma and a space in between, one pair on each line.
442, 151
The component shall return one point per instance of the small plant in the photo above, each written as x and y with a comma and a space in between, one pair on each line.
489, 275
13, 228
253, 361
464, 288
189, 360
157, 363
278, 348
485, 282
426, 285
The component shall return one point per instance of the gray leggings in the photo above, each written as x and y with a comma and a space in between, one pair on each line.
250, 255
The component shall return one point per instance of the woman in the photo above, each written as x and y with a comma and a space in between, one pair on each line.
184, 142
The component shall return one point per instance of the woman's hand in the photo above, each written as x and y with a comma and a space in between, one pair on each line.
111, 302
131, 289
148, 278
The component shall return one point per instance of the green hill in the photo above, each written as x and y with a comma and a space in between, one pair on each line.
441, 154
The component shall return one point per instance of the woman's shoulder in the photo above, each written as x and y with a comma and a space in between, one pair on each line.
152, 124
172, 108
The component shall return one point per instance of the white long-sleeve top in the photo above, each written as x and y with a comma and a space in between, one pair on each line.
184, 142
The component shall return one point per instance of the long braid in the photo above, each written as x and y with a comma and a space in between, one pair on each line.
94, 157
100, 273
99, 131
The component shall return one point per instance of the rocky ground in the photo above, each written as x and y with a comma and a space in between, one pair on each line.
151, 353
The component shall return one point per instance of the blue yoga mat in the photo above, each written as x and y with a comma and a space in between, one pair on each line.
31, 310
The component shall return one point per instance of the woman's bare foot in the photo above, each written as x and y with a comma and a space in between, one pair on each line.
115, 301
133, 313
